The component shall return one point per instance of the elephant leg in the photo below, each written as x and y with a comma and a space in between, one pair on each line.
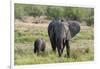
38, 52
43, 47
59, 51
63, 48
68, 48
34, 50
43, 50
53, 45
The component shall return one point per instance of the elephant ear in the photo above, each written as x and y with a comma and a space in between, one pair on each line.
67, 31
74, 28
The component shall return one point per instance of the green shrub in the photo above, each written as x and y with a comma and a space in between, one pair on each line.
90, 21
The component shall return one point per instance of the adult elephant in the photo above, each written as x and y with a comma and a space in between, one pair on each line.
60, 33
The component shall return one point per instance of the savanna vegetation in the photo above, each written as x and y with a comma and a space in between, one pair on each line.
67, 13
25, 33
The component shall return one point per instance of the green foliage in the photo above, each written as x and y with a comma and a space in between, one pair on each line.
68, 13
90, 21
55, 12
28, 10
19, 11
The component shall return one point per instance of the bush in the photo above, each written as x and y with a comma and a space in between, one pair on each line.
90, 21
68, 13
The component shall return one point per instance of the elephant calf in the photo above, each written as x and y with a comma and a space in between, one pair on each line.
39, 46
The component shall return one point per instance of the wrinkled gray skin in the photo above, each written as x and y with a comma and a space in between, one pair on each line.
60, 33
39, 46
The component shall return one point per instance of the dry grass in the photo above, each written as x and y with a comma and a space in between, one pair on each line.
25, 34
